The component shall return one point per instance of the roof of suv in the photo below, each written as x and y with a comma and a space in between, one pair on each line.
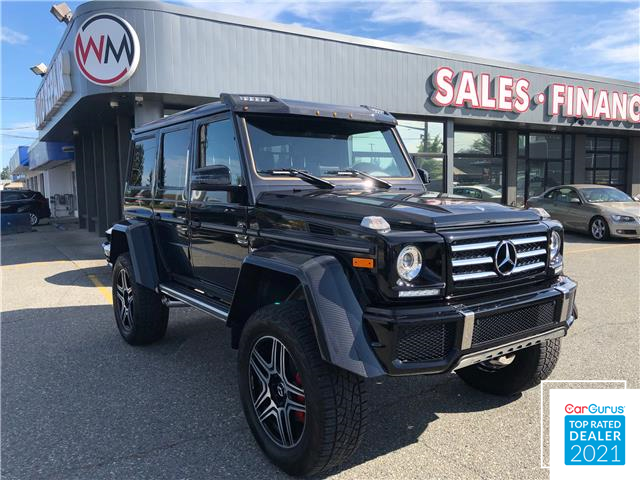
269, 104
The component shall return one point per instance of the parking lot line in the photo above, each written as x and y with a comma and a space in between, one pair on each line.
593, 249
105, 291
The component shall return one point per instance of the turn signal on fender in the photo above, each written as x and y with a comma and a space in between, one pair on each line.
363, 262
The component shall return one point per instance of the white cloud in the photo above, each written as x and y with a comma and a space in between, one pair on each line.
12, 37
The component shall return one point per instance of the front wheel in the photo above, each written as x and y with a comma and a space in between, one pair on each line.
140, 315
33, 219
307, 415
514, 373
599, 229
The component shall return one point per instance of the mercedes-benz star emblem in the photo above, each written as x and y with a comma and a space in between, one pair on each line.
505, 258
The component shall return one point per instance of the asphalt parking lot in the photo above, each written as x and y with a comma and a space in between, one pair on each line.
77, 402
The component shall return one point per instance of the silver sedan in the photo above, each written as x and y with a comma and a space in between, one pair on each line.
599, 210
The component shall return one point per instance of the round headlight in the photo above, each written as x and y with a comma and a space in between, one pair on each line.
556, 242
409, 263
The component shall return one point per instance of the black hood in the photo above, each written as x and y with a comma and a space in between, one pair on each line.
397, 207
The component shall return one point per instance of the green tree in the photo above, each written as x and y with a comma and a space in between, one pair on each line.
5, 175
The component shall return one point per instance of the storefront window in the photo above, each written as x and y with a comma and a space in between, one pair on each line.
545, 160
425, 142
606, 160
472, 143
478, 165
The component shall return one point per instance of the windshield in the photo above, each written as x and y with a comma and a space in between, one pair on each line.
322, 146
606, 194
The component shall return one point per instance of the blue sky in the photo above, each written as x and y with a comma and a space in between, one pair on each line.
599, 38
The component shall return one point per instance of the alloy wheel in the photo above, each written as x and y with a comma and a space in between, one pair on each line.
276, 392
598, 229
33, 219
124, 294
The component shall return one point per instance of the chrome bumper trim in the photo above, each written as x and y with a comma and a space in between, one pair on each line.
496, 352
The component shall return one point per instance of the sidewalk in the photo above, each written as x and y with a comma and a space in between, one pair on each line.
43, 268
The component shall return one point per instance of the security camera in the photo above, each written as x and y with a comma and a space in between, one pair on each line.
138, 99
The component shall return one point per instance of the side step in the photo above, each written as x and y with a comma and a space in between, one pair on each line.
194, 299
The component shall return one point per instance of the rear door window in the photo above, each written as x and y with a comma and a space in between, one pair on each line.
173, 165
141, 174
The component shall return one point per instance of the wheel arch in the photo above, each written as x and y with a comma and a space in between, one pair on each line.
275, 275
137, 240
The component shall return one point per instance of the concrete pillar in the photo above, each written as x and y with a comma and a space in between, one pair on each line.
148, 111
101, 199
123, 132
447, 181
579, 159
111, 174
89, 179
633, 166
81, 200
509, 188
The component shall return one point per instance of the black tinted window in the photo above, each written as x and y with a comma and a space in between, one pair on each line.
218, 147
9, 196
175, 154
143, 161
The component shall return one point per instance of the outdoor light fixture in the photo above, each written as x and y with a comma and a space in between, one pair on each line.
138, 99
114, 104
62, 12
40, 69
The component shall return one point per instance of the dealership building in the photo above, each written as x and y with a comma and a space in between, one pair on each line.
510, 129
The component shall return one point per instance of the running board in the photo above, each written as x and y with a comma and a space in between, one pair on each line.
184, 295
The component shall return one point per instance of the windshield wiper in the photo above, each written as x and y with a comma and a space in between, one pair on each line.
307, 177
359, 174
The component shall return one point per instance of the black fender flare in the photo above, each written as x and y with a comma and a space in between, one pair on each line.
137, 239
335, 312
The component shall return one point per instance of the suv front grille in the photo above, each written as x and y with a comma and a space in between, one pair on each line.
474, 260
423, 343
495, 327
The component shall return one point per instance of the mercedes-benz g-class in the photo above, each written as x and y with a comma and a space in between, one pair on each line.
307, 228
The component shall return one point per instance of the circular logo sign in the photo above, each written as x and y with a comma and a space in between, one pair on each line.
505, 257
107, 50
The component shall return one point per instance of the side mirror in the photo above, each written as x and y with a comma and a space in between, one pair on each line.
574, 200
424, 175
214, 177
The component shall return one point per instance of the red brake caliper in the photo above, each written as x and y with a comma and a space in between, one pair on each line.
299, 416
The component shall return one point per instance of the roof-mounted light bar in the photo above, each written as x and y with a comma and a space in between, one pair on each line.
261, 103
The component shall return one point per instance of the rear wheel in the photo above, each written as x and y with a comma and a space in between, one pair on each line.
514, 373
599, 229
140, 315
307, 415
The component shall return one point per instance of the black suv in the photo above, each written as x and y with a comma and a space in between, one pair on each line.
28, 202
308, 230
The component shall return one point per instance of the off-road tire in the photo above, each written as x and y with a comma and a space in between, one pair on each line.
149, 317
336, 406
528, 369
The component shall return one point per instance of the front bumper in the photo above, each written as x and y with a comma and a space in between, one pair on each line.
442, 338
624, 229
106, 249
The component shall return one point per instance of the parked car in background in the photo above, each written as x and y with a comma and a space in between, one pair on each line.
599, 210
25, 201
478, 192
